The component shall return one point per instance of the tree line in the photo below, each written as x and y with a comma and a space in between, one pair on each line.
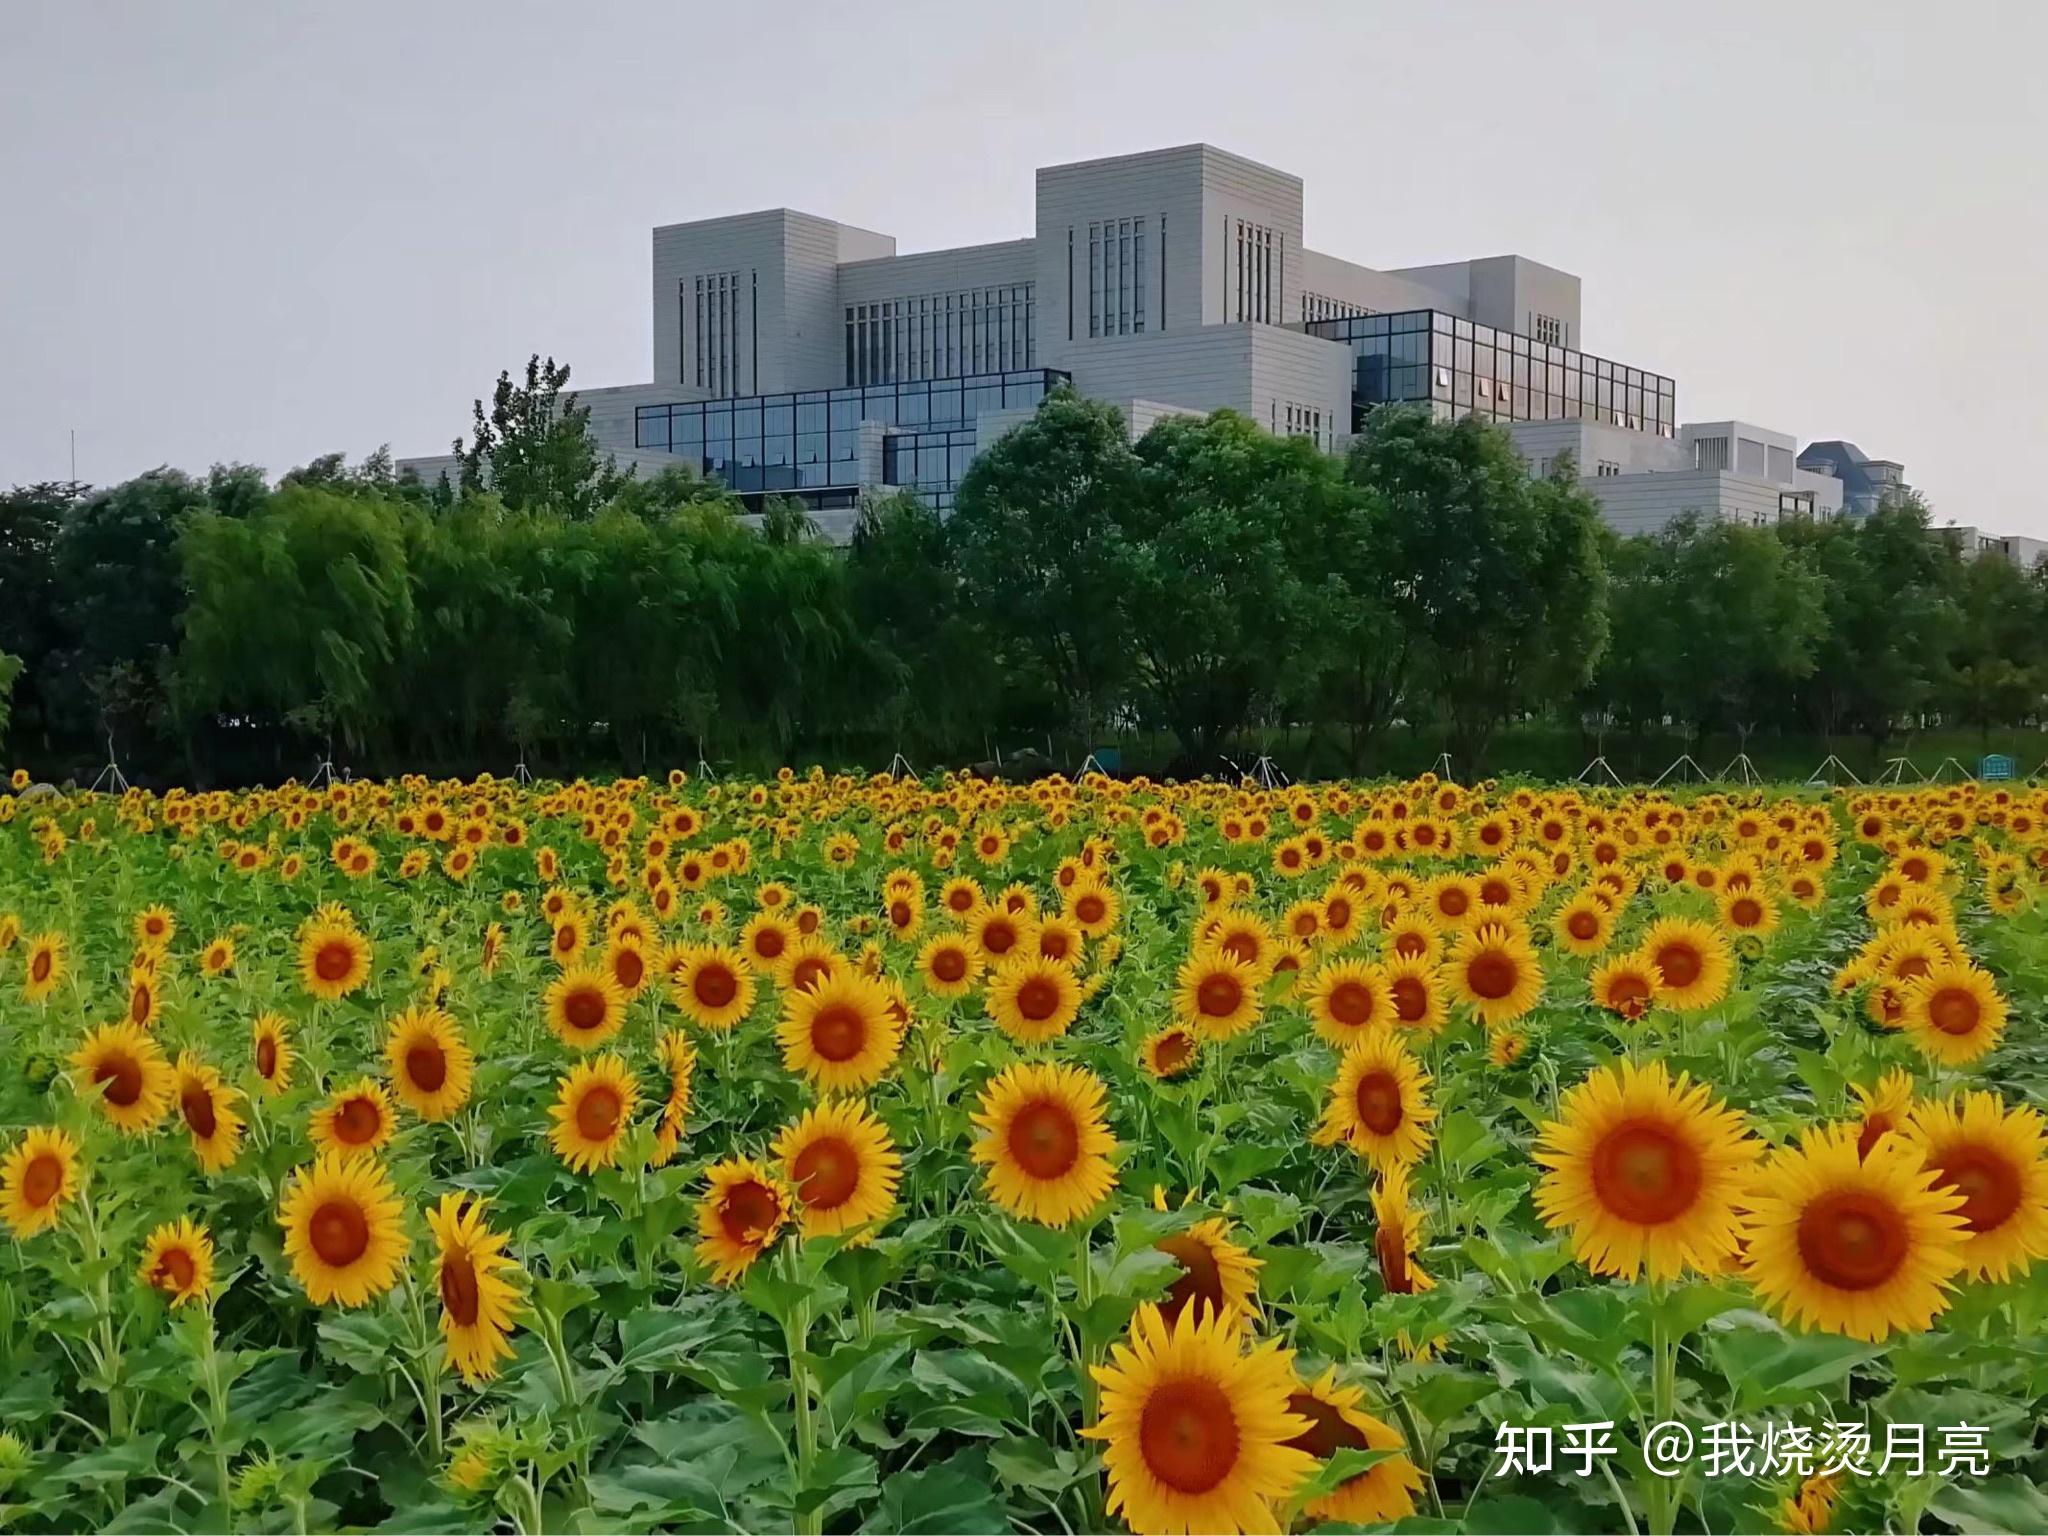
1209, 581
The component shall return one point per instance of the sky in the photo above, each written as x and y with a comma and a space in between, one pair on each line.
259, 233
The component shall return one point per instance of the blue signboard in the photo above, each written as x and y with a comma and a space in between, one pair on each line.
1996, 766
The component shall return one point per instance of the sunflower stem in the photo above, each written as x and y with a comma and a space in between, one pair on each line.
1662, 1499
216, 1413
796, 1328
1416, 1451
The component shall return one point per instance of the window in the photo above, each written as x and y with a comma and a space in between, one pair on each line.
941, 335
1710, 453
1547, 329
1116, 277
712, 300
1606, 467
1254, 276
1317, 306
1306, 421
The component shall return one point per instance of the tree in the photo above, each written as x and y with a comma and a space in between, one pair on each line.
1716, 622
1889, 616
1222, 542
1495, 578
1998, 660
10, 670
922, 668
1035, 538
31, 619
535, 448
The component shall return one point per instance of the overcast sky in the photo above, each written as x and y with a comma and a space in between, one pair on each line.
262, 232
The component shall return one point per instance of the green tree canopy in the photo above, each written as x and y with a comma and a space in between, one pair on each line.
534, 447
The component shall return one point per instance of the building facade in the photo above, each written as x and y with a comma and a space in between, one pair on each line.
794, 355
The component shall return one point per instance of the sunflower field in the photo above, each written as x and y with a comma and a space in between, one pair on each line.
840, 1154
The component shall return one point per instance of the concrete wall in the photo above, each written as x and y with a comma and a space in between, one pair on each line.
1381, 292
1255, 369
1000, 265
1504, 291
1648, 502
1164, 188
1592, 443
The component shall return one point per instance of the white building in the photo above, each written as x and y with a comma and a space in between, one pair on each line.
1975, 544
796, 355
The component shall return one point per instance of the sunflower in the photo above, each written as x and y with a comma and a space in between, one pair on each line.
207, 1106
1857, 1246
949, 965
1410, 935
741, 1211
130, 1068
1045, 1142
593, 1110
355, 1120
218, 958
429, 1064
271, 1049
1583, 926
713, 986
1032, 999
1647, 1173
1692, 963
1493, 968
1377, 1104
154, 927
334, 959
1997, 1159
1627, 985
678, 1058
1416, 989
43, 966
570, 937
1747, 910
625, 961
1197, 1431
1170, 1052
478, 1292
1397, 1235
177, 1259
1451, 901
842, 1164
842, 1033
1346, 998
1214, 1272
143, 997
807, 961
1383, 1492
1216, 993
1886, 1108
584, 1007
39, 1173
344, 1230
1092, 905
1954, 1013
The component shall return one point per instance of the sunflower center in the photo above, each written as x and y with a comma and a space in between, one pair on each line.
357, 1120
174, 1270
39, 966
1089, 909
1390, 1246
1628, 994
1378, 1097
333, 960
827, 1172
769, 943
1681, 965
1173, 1052
1351, 1003
1876, 1124
427, 1065
1989, 1184
1044, 1140
1409, 945
749, 1211
123, 1077
1583, 926
715, 986
339, 1233
1038, 999
1644, 1173
1852, 1240
1218, 996
458, 1288
807, 972
838, 1032
1747, 912
1200, 1279
629, 967
1188, 1435
999, 938
584, 1008
266, 1057
1329, 1431
1411, 999
597, 1112
899, 914
197, 1106
138, 1004
1492, 975
566, 939
1954, 1011
1241, 946
1453, 902
949, 965
41, 1180
1337, 913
